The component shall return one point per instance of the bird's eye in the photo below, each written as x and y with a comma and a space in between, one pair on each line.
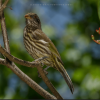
32, 16
36, 18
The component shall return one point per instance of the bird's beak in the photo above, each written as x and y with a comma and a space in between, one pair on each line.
27, 16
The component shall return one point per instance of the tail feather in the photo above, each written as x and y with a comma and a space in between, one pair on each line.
61, 69
67, 78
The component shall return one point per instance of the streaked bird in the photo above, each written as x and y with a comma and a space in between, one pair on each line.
39, 45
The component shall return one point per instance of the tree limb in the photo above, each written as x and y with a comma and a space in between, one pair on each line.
2, 61
3, 27
4, 5
48, 83
27, 80
19, 61
31, 64
30, 82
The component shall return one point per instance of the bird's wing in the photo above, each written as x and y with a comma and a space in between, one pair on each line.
40, 35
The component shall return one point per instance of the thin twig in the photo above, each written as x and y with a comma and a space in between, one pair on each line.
2, 61
3, 27
0, 5
4, 5
4, 33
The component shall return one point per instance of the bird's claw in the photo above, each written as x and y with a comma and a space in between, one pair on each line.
39, 75
44, 72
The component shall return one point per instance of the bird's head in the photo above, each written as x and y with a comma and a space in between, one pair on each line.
33, 20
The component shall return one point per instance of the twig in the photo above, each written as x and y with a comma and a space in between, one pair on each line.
4, 5
3, 27
2, 61
4, 33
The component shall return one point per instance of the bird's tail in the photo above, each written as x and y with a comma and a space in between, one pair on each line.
66, 77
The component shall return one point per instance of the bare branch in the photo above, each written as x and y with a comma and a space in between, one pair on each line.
27, 80
32, 64
19, 61
2, 61
30, 82
4, 33
4, 5
48, 83
0, 3
3, 27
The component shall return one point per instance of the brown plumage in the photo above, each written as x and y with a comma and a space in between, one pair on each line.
39, 45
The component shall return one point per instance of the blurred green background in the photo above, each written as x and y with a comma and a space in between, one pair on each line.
69, 24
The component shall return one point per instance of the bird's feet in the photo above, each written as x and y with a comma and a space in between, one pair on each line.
45, 71
39, 60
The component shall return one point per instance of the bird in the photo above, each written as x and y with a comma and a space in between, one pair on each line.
38, 45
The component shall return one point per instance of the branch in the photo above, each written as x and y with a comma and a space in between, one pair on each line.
16, 60
31, 64
48, 83
4, 33
26, 79
2, 61
4, 5
3, 27
30, 82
